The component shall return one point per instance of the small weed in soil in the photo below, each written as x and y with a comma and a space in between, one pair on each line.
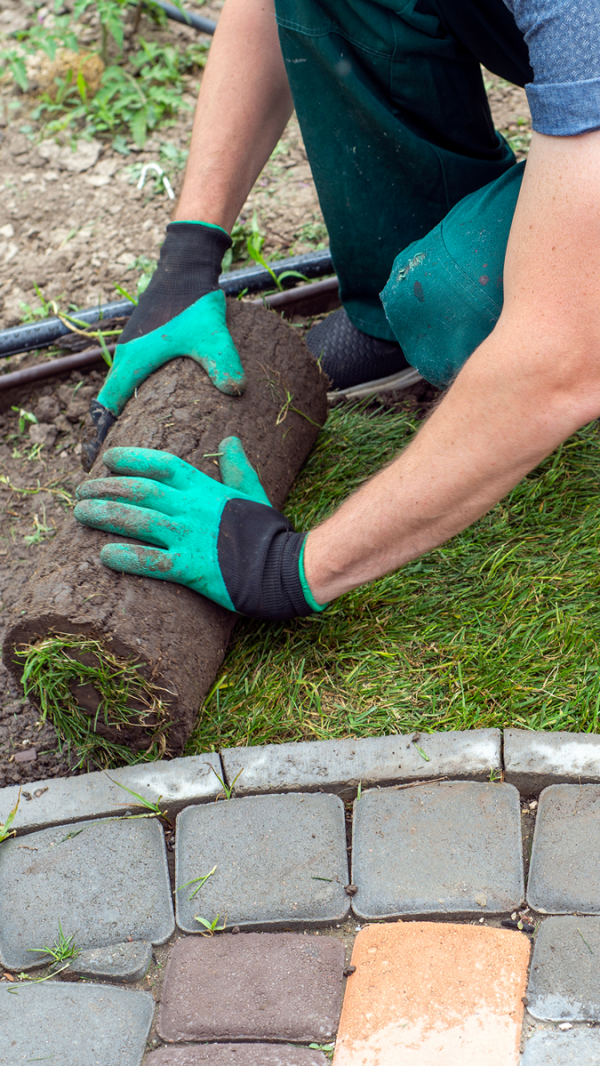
57, 666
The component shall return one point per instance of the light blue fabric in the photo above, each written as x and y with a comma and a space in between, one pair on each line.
563, 37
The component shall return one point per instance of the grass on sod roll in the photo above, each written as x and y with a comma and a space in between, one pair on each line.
50, 668
499, 627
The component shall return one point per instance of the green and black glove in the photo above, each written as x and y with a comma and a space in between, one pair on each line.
223, 540
182, 312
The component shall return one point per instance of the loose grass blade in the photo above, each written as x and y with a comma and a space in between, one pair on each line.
5, 830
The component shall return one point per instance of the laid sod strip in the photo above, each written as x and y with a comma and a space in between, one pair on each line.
500, 627
56, 665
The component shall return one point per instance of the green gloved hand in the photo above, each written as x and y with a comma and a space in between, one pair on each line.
222, 540
182, 312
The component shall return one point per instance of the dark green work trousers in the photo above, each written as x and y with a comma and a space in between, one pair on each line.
393, 111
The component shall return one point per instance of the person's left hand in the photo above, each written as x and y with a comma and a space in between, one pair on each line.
222, 540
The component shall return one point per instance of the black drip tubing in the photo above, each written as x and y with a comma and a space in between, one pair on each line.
186, 17
250, 279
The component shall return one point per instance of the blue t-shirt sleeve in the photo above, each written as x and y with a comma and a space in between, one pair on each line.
563, 37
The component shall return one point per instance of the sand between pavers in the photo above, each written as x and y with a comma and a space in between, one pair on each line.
236, 1055
425, 994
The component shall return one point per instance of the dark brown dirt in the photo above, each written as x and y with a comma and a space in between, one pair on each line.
179, 636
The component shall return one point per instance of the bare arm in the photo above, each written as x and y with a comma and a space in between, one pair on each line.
529, 386
244, 104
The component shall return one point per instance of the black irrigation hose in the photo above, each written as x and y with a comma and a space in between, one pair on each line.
187, 17
288, 299
252, 279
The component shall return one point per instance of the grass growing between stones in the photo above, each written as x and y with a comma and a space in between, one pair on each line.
58, 665
499, 627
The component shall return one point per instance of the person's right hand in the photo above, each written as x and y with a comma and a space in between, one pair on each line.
182, 312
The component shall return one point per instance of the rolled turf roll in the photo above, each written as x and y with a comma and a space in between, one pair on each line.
83, 622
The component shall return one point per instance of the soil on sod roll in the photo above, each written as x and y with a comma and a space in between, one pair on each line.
176, 637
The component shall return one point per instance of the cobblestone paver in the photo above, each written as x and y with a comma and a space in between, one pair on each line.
439, 849
580, 1047
276, 859
427, 994
565, 974
123, 962
565, 872
73, 1025
533, 761
103, 881
340, 765
59, 800
253, 986
236, 1055
270, 871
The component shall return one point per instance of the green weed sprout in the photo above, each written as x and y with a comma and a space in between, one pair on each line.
327, 1049
255, 243
25, 417
148, 804
63, 949
5, 830
200, 881
227, 789
56, 665
211, 927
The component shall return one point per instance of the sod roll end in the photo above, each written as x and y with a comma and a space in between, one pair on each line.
125, 662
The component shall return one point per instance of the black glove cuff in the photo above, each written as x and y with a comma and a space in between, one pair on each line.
259, 557
188, 268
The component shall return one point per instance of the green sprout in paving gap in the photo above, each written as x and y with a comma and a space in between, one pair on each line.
327, 1049
499, 627
200, 881
211, 927
148, 804
53, 666
63, 949
227, 789
5, 830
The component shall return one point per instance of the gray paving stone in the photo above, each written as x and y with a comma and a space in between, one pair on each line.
236, 1055
74, 1025
104, 881
253, 986
451, 848
564, 875
124, 962
339, 765
279, 860
579, 1047
60, 800
535, 760
564, 982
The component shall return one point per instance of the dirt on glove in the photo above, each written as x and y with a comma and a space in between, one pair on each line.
178, 637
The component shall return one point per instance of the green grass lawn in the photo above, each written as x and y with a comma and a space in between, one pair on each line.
499, 627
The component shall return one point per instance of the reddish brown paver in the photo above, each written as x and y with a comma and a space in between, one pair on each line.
236, 1055
253, 986
427, 994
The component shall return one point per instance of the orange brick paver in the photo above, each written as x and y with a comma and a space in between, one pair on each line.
431, 994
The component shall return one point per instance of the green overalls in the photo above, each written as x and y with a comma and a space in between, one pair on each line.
391, 103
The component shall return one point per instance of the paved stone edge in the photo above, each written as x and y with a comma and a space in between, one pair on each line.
535, 760
340, 766
527, 759
174, 784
